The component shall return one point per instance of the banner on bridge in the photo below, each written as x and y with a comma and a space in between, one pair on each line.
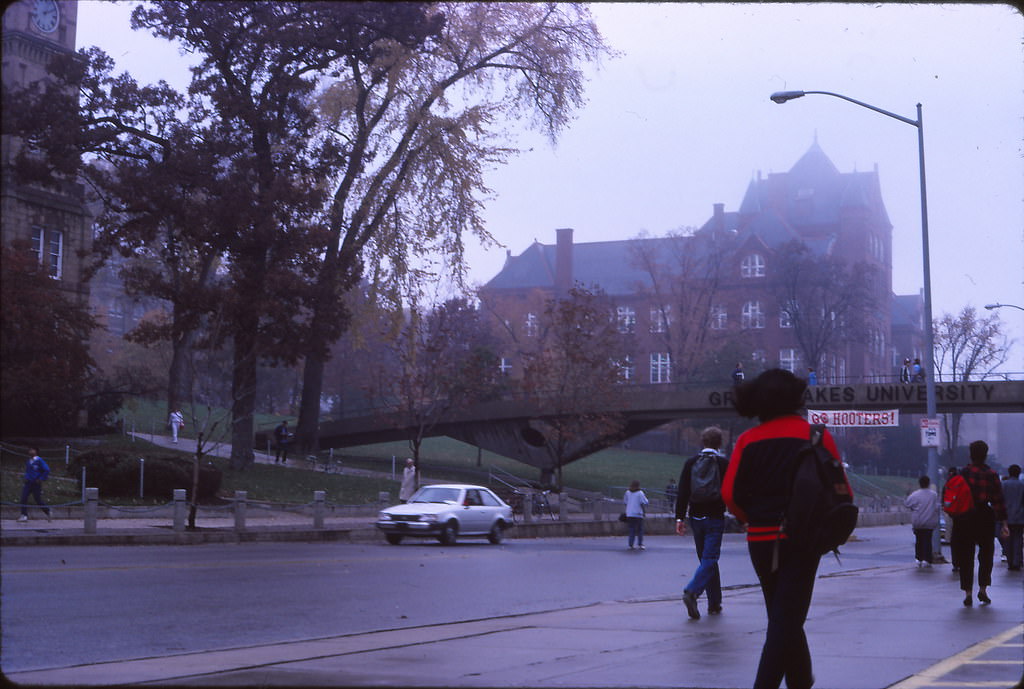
851, 418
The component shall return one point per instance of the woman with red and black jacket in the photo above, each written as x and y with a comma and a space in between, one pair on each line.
756, 491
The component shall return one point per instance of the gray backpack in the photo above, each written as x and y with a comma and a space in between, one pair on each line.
705, 479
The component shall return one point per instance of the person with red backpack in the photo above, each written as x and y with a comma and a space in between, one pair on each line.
976, 527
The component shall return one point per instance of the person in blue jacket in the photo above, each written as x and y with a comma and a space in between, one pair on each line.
36, 471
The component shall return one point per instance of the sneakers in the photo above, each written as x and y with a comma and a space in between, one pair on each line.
23, 518
690, 601
715, 611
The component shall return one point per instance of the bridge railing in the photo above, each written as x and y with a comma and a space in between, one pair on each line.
518, 395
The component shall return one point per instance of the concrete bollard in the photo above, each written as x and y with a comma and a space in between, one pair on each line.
240, 497
92, 499
597, 509
563, 507
179, 509
318, 509
528, 508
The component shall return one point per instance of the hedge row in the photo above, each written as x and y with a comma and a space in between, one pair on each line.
116, 473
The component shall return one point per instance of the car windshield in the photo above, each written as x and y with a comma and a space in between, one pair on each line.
432, 494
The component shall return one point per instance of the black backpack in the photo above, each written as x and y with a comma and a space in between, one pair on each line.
705, 479
820, 514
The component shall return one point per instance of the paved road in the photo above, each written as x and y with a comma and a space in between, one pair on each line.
552, 612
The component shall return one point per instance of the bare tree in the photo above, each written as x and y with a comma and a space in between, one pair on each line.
441, 361
684, 272
827, 299
575, 373
967, 347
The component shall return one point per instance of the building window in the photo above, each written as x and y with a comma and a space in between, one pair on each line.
48, 247
532, 327
752, 315
719, 317
784, 319
789, 359
752, 266
660, 319
626, 319
505, 366
759, 356
661, 367
627, 369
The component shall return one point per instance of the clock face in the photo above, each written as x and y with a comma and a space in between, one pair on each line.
45, 15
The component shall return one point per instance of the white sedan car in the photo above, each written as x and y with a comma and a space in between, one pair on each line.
445, 512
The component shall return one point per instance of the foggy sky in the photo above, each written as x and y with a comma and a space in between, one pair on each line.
682, 120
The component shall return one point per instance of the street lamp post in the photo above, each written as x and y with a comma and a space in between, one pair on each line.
1003, 306
929, 336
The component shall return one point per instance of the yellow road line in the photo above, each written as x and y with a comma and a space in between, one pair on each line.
932, 677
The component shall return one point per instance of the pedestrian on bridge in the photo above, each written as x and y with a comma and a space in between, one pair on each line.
636, 503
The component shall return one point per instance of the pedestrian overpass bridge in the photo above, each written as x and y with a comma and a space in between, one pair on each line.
518, 427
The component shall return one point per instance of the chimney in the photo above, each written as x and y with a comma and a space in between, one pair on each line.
563, 260
719, 225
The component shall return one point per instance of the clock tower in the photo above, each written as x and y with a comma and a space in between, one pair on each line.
54, 223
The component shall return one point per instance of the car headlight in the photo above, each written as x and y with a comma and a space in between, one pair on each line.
384, 517
428, 518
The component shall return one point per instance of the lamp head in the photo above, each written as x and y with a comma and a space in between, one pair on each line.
992, 306
783, 96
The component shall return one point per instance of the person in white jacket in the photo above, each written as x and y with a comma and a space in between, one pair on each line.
923, 504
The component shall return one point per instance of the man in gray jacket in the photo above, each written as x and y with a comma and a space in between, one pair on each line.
924, 506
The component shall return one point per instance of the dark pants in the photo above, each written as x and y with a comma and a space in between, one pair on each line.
787, 598
976, 529
1015, 546
35, 489
636, 530
923, 545
282, 453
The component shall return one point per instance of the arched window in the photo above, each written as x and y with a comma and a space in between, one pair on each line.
752, 266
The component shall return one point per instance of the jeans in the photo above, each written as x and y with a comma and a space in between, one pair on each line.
923, 545
636, 530
707, 537
787, 598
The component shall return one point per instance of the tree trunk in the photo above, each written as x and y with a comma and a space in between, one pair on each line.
179, 378
194, 496
307, 432
243, 394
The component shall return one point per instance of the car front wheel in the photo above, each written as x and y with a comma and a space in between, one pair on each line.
394, 538
497, 533
449, 533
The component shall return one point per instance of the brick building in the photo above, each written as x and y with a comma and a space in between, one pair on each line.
695, 303
54, 223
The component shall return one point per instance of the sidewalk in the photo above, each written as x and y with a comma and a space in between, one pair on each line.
880, 626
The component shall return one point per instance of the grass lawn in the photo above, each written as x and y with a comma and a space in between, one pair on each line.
608, 472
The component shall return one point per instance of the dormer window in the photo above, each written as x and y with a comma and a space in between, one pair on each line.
752, 266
